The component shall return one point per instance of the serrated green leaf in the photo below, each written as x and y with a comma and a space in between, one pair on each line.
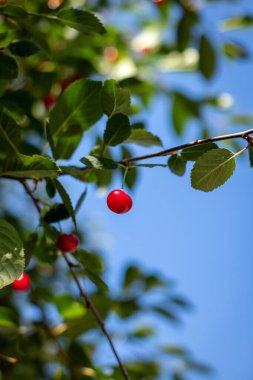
12, 257
177, 164
144, 138
79, 105
21, 166
193, 153
84, 22
212, 169
68, 307
207, 57
99, 162
115, 99
117, 130
8, 67
56, 213
23, 48
66, 200
96, 280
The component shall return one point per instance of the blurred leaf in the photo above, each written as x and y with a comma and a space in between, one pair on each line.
177, 164
12, 256
132, 274
175, 350
8, 67
198, 367
90, 261
21, 166
250, 149
143, 332
68, 307
235, 50
166, 313
143, 138
237, 22
187, 21
96, 280
241, 119
193, 153
23, 48
29, 247
132, 173
50, 188
207, 57
115, 99
80, 201
117, 130
99, 162
84, 22
56, 213
79, 173
212, 169
7, 317
10, 133
183, 108
66, 200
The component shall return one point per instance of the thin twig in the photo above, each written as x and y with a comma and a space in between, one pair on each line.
84, 295
175, 149
94, 311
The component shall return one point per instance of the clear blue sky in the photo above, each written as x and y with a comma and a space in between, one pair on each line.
202, 240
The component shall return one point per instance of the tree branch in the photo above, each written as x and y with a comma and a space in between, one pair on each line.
84, 295
175, 149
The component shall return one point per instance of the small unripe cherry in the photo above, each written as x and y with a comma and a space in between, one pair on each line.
119, 202
22, 283
68, 243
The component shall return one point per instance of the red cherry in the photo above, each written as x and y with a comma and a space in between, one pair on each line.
118, 201
68, 243
22, 283
49, 100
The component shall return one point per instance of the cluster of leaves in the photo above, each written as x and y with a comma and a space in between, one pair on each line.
67, 54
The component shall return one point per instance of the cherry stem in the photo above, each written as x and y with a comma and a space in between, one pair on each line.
124, 177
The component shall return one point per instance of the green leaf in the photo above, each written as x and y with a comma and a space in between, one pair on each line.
23, 48
184, 28
177, 164
56, 213
183, 108
79, 105
207, 57
51, 142
81, 200
117, 130
89, 260
115, 99
99, 162
79, 173
66, 200
235, 50
8, 67
198, 367
50, 188
193, 153
84, 22
151, 166
250, 149
144, 138
14, 11
7, 317
10, 133
12, 256
96, 280
212, 169
237, 22
21, 166
175, 350
68, 307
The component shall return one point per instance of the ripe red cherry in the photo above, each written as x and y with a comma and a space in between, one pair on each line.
22, 283
68, 243
50, 101
159, 2
118, 201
